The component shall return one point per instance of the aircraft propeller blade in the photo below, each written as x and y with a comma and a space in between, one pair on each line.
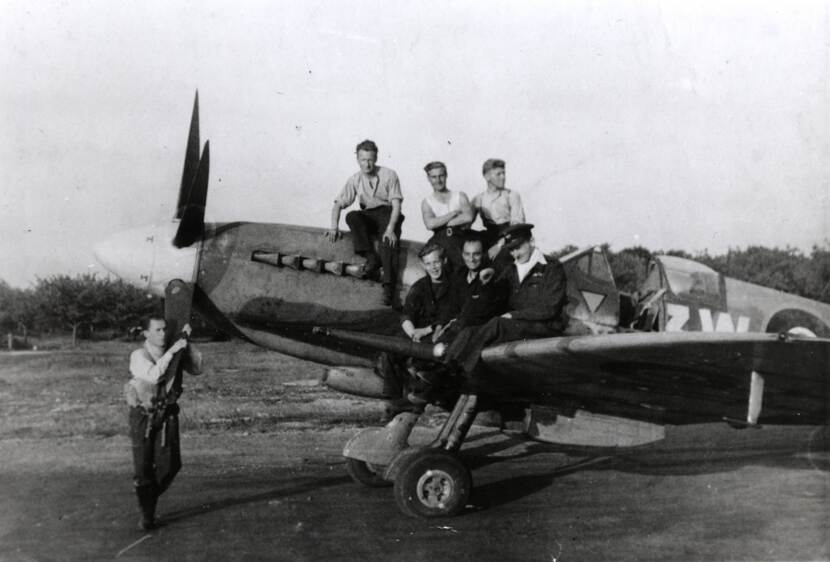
192, 225
178, 304
191, 160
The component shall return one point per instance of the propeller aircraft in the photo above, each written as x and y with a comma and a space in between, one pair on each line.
691, 346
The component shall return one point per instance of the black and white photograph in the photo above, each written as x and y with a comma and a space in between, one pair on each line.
414, 281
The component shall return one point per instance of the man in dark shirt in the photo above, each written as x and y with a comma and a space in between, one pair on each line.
431, 302
535, 305
482, 294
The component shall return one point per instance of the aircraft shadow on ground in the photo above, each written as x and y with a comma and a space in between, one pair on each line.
311, 485
700, 450
691, 452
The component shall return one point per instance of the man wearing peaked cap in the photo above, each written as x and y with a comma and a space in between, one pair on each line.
515, 234
499, 208
536, 303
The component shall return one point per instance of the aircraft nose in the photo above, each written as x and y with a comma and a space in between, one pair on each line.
129, 255
146, 258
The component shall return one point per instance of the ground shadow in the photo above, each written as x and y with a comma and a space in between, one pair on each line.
688, 451
685, 450
692, 450
513, 489
310, 485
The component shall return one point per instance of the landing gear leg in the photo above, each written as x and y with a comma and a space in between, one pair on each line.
370, 451
433, 481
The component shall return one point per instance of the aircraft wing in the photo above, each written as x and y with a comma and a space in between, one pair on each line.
679, 377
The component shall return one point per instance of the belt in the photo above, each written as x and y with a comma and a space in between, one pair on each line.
450, 230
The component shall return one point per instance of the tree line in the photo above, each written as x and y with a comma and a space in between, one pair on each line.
787, 269
88, 306
82, 305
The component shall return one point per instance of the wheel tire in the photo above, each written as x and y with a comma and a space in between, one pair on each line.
364, 473
433, 483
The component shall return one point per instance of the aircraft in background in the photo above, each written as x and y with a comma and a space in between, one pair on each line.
691, 346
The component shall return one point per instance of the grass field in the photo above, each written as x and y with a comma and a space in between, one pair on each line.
78, 392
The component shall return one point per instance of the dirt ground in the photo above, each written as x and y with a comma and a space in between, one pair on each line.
263, 479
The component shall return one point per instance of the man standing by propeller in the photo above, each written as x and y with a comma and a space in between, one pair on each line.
152, 393
378, 191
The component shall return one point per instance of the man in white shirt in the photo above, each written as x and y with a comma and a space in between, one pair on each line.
152, 393
498, 207
378, 192
446, 213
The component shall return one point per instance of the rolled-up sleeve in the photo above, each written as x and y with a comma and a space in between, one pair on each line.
394, 187
347, 195
144, 368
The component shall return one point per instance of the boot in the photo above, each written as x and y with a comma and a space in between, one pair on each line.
388, 294
147, 499
372, 267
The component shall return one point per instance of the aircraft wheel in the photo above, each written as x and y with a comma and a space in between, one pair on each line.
433, 483
366, 474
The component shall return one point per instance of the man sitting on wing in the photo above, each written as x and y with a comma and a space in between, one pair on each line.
430, 304
535, 303
481, 293
431, 301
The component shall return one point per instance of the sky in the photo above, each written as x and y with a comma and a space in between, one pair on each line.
698, 126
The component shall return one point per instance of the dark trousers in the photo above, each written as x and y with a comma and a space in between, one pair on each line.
371, 223
156, 450
465, 349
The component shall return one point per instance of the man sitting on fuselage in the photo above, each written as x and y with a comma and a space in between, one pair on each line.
499, 208
446, 213
378, 192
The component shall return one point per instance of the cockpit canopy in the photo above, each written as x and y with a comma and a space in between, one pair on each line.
692, 281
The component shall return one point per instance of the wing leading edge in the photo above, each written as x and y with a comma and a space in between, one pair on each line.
676, 378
